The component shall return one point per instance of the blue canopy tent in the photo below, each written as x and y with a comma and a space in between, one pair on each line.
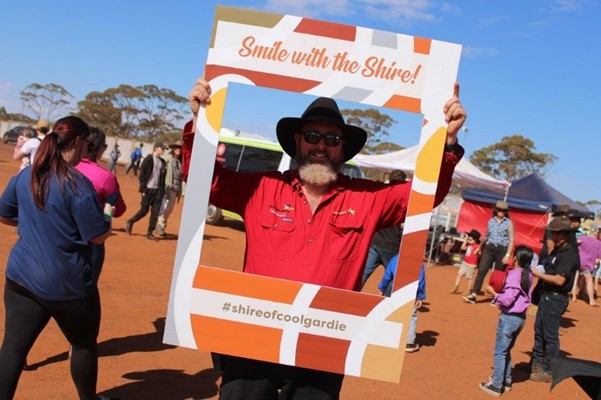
528, 193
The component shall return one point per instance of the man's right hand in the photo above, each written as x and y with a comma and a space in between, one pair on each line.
200, 96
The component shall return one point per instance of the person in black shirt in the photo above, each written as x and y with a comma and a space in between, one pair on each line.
548, 245
557, 279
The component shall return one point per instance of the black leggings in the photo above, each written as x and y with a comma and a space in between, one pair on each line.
26, 317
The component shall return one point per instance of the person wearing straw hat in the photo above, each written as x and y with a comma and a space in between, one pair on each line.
310, 224
173, 185
557, 279
495, 248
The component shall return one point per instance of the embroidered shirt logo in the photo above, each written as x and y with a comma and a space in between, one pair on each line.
283, 212
349, 211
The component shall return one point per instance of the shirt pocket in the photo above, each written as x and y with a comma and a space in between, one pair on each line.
344, 237
275, 236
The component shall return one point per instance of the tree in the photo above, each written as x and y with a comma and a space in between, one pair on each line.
46, 101
374, 122
159, 110
97, 110
513, 158
144, 112
126, 98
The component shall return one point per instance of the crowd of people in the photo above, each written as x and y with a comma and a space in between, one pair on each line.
566, 254
64, 194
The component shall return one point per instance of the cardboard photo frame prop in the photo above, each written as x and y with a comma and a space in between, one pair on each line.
288, 322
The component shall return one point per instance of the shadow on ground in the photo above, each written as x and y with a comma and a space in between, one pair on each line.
145, 342
167, 384
427, 338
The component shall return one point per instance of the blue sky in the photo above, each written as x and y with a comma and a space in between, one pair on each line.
528, 68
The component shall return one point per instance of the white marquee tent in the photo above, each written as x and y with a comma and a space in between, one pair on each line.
465, 173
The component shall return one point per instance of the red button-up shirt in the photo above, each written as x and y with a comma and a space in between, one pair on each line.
329, 247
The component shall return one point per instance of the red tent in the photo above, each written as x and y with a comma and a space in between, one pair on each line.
530, 199
529, 225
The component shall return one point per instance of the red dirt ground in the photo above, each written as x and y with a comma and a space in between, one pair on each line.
457, 339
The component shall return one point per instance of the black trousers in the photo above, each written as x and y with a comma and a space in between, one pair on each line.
245, 379
491, 255
27, 315
151, 200
133, 165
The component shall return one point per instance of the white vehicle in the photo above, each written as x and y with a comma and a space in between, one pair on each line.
253, 153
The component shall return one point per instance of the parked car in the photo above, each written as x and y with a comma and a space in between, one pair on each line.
11, 135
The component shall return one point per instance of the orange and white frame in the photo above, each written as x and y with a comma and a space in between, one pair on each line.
288, 322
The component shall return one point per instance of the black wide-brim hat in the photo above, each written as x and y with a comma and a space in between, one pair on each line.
322, 109
474, 234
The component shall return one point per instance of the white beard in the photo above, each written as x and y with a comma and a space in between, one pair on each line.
317, 174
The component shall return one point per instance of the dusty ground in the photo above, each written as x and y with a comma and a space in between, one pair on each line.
457, 339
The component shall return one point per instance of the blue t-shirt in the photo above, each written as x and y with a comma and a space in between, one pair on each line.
51, 257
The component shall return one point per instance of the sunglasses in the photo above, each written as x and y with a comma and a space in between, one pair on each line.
330, 139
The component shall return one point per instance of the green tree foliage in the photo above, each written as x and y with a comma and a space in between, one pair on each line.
98, 110
143, 112
160, 110
48, 101
512, 158
376, 125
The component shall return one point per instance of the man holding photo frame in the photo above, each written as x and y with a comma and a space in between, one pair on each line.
311, 224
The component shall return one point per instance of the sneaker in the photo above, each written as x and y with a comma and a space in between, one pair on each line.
466, 293
490, 389
541, 377
128, 226
470, 299
411, 347
506, 386
454, 290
